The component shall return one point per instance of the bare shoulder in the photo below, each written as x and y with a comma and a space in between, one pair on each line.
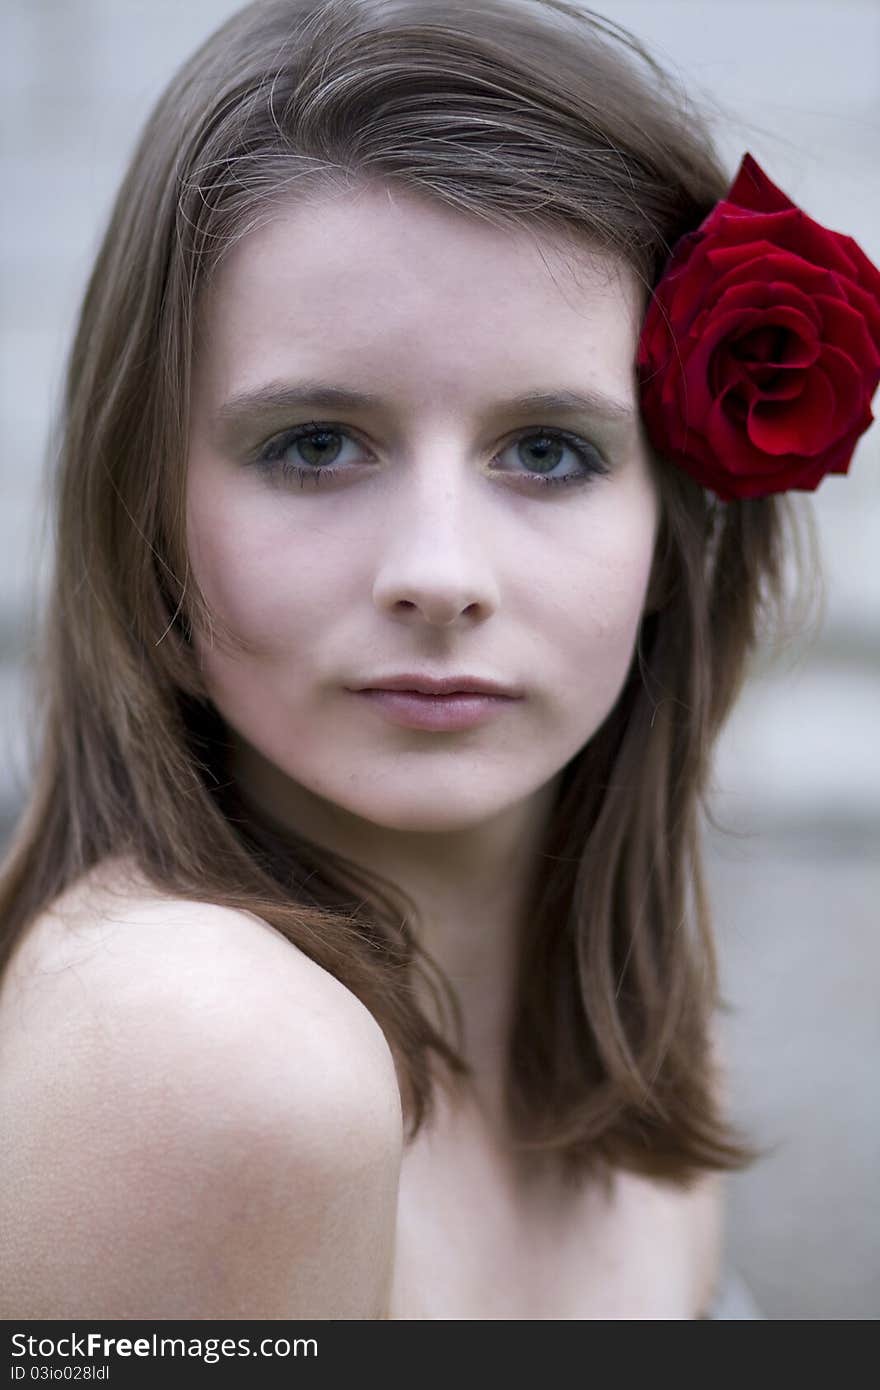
680, 1232
113, 956
706, 1213
224, 1118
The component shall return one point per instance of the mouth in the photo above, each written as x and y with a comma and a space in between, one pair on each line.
415, 684
454, 710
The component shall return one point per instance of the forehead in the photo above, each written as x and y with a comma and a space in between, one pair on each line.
375, 281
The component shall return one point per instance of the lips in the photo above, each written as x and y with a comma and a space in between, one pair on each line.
421, 684
447, 713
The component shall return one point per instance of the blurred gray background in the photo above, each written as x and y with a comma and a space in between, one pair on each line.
795, 878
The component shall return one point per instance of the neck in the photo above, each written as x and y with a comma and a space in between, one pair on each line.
470, 889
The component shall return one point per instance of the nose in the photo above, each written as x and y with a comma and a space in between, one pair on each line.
435, 550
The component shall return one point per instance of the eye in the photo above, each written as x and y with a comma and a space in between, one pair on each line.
543, 450
315, 445
312, 452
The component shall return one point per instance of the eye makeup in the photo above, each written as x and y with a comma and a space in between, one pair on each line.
270, 458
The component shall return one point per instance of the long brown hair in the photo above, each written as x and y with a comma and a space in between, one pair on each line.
539, 115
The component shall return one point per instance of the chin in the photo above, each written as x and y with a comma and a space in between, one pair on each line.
430, 813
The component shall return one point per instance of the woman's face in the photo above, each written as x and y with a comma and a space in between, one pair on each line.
432, 547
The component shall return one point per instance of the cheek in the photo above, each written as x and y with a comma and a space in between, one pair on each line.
598, 621
268, 581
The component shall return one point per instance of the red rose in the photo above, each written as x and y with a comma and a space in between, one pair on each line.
760, 350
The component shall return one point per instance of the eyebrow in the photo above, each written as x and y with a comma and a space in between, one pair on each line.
276, 398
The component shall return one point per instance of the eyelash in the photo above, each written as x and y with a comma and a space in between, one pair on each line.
269, 458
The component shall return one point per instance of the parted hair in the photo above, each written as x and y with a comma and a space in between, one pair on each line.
534, 114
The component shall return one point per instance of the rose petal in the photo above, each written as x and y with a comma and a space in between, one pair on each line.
844, 325
847, 383
760, 348
867, 306
714, 364
778, 337
778, 428
792, 274
775, 302
821, 246
867, 274
726, 436
751, 188
782, 384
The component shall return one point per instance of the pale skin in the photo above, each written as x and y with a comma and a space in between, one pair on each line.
430, 550
225, 1115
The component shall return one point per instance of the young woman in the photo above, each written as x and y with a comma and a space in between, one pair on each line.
426, 446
